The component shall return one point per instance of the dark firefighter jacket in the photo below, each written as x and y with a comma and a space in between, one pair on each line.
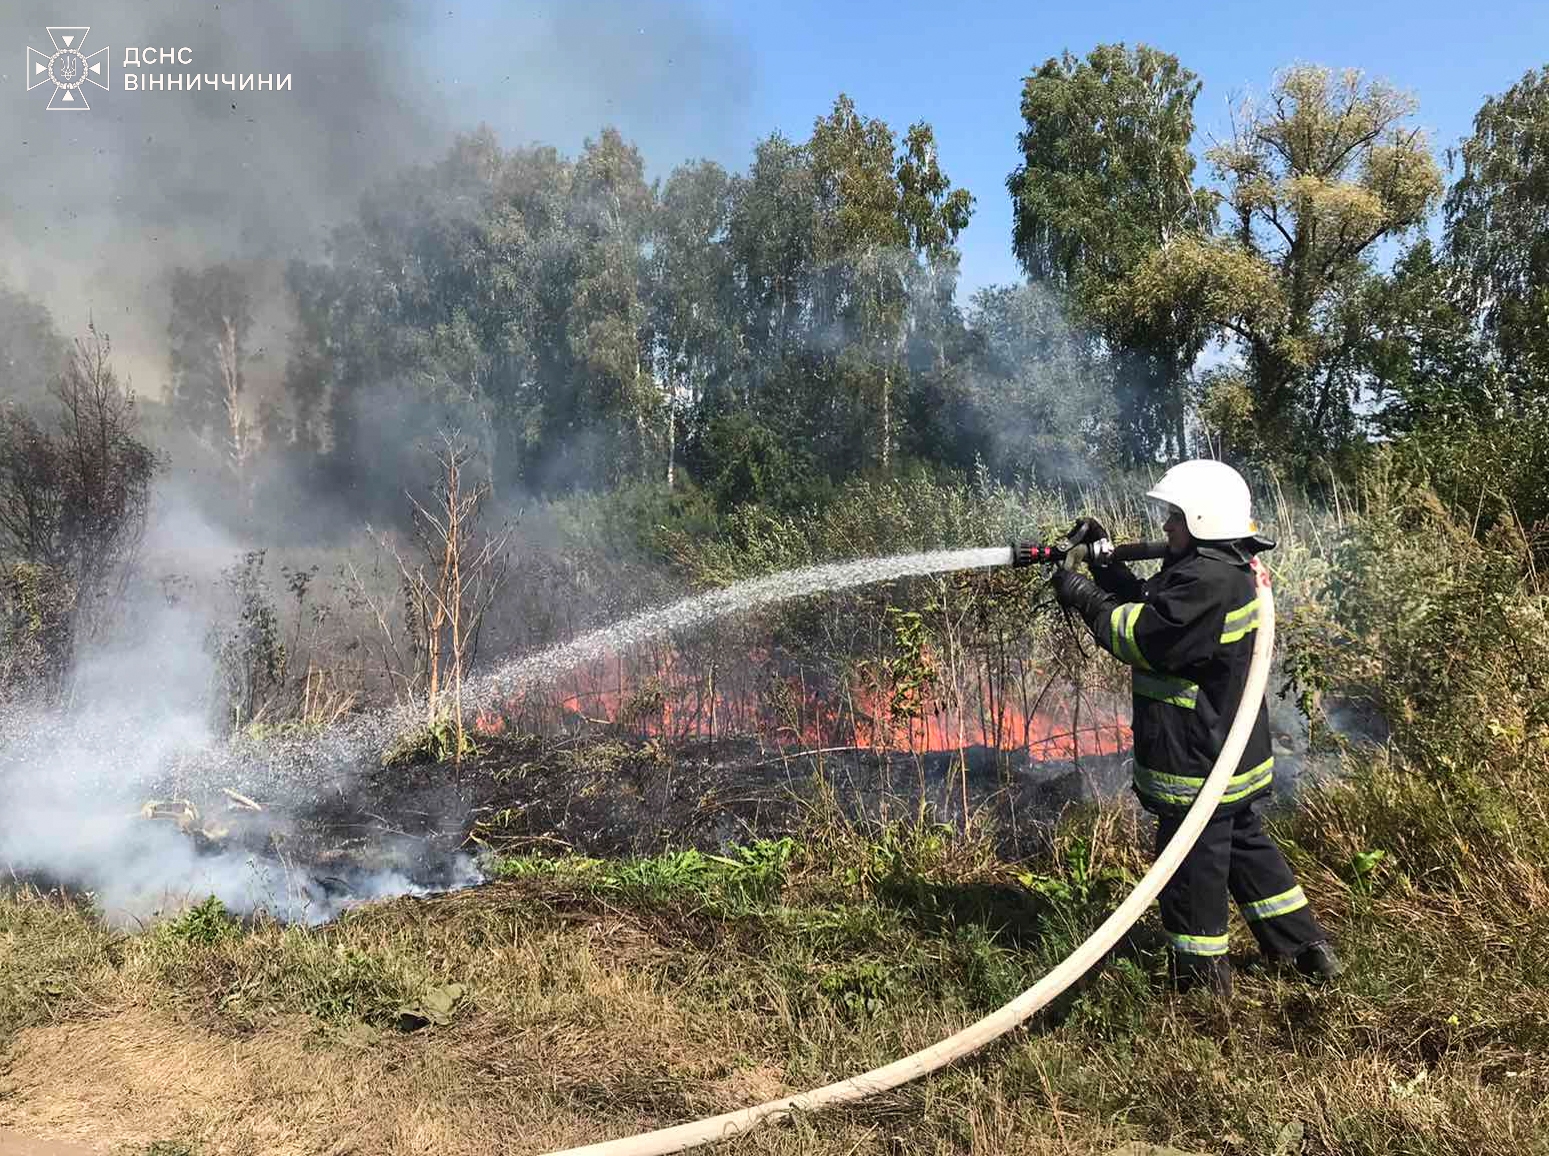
1187, 634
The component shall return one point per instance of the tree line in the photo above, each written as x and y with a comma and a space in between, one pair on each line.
762, 336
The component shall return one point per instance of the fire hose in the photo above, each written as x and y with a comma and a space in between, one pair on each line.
1072, 968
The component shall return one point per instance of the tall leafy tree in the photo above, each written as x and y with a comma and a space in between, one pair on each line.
1497, 228
771, 235
934, 214
861, 296
444, 302
1106, 180
888, 220
589, 319
691, 291
392, 319
1452, 407
212, 316
1038, 406
934, 416
609, 221
1315, 177
73, 507
1426, 359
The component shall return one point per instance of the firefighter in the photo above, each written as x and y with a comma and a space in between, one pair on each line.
1187, 634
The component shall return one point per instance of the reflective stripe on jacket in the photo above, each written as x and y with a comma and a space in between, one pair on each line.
1187, 634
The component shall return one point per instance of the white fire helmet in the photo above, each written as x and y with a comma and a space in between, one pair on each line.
1214, 499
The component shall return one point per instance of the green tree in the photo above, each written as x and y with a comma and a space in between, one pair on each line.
691, 291
396, 317
862, 287
73, 506
588, 321
444, 302
1497, 227
885, 258
212, 316
1427, 363
934, 215
613, 391
771, 235
1315, 177
1106, 180
1036, 386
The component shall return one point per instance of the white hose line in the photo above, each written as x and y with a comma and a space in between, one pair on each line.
975, 1036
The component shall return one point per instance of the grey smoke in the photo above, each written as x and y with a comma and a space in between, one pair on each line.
71, 785
103, 204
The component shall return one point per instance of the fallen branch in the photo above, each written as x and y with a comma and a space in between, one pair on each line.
241, 800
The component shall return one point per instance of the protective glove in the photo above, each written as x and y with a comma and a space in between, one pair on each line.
1086, 531
1085, 535
1078, 592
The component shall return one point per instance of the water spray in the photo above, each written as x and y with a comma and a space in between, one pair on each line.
346, 743
1072, 968
136, 867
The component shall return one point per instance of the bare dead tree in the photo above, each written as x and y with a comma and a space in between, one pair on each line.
242, 436
451, 584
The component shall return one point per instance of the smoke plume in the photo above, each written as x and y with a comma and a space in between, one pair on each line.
102, 205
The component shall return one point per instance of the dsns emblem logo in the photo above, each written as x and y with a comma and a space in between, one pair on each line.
67, 68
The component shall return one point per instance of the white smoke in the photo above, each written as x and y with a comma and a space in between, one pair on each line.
74, 781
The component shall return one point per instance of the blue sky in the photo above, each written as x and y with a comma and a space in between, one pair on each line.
734, 72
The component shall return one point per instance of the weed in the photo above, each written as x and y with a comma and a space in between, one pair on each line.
351, 984
249, 653
1114, 1004
54, 955
206, 922
861, 988
435, 742
751, 877
579, 1009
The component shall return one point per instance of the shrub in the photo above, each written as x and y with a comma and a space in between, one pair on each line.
73, 506
1445, 633
249, 652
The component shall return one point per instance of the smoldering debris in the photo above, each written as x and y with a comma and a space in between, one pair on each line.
122, 810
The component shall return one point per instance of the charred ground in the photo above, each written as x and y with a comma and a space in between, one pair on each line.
610, 795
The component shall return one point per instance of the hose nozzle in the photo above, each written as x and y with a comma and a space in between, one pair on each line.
1033, 554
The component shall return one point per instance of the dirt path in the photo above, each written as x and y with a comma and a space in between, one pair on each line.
13, 1145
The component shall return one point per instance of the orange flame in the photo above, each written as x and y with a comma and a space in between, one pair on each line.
665, 699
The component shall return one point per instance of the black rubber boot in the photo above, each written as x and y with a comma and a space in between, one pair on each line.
1317, 961
1188, 973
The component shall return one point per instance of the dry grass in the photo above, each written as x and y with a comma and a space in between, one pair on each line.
598, 1010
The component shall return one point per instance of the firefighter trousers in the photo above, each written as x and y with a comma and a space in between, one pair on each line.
1234, 855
